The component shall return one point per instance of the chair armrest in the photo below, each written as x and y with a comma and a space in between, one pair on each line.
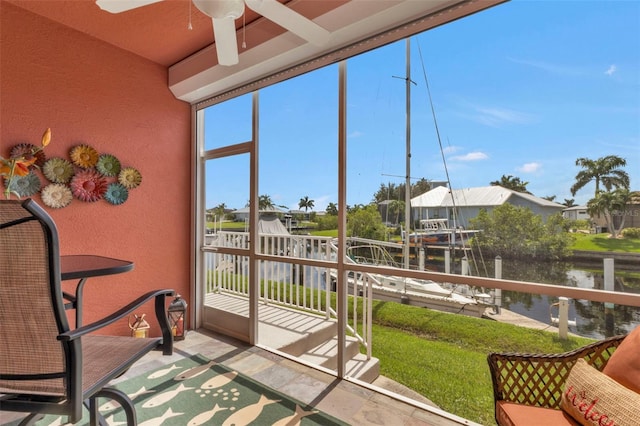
161, 315
538, 379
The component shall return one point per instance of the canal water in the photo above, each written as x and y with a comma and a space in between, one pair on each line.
593, 319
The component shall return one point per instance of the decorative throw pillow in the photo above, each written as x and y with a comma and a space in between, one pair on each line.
594, 399
624, 365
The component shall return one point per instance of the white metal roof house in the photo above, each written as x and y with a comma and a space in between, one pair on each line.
243, 213
576, 213
440, 202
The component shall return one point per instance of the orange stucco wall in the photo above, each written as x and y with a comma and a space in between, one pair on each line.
90, 92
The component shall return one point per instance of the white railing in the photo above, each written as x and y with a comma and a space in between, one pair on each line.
299, 271
295, 271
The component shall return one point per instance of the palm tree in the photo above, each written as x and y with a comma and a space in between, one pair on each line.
420, 187
569, 202
605, 170
305, 203
220, 209
396, 207
265, 202
332, 209
608, 203
511, 182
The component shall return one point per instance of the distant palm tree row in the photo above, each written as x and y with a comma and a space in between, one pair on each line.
607, 172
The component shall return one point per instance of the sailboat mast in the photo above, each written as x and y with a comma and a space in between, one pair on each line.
407, 187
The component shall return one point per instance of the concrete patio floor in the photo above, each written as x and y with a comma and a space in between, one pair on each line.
383, 403
356, 404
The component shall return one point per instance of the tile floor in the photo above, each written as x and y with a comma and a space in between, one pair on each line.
353, 403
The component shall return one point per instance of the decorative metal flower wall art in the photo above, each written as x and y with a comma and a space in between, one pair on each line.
25, 186
84, 156
56, 195
130, 178
108, 165
116, 194
58, 170
23, 159
88, 176
27, 150
88, 185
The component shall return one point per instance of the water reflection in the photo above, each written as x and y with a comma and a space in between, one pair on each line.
593, 319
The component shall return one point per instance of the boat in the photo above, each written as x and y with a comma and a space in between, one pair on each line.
444, 297
420, 292
437, 232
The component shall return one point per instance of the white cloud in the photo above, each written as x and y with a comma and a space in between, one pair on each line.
451, 149
356, 134
529, 167
494, 117
549, 67
472, 156
612, 69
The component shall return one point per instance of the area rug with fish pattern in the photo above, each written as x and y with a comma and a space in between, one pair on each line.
196, 391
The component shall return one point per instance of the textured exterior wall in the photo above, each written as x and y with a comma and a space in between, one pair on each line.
90, 92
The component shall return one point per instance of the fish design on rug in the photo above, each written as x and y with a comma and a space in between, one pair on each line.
246, 415
163, 372
165, 397
195, 371
157, 421
295, 418
219, 381
112, 405
111, 421
204, 417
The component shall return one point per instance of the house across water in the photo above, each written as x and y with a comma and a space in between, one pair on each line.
461, 205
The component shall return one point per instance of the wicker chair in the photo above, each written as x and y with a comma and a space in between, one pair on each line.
536, 380
46, 367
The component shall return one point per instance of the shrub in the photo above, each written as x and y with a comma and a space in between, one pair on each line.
631, 233
366, 222
326, 222
518, 233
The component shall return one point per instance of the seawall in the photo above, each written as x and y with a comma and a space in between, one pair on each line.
599, 256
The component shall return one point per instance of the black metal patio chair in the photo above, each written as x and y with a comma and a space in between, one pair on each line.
45, 366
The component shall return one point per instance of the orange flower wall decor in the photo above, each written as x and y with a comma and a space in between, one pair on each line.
20, 164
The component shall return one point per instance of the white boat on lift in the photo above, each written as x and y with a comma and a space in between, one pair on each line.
437, 232
419, 292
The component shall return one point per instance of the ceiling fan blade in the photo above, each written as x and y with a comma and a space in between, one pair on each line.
290, 20
224, 32
117, 6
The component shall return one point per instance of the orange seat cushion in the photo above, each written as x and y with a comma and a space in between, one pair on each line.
512, 414
624, 365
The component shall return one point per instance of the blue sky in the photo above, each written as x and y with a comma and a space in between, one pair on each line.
522, 89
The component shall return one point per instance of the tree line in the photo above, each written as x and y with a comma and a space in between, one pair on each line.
612, 192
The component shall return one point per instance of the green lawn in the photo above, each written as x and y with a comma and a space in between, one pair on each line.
229, 225
444, 356
602, 242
